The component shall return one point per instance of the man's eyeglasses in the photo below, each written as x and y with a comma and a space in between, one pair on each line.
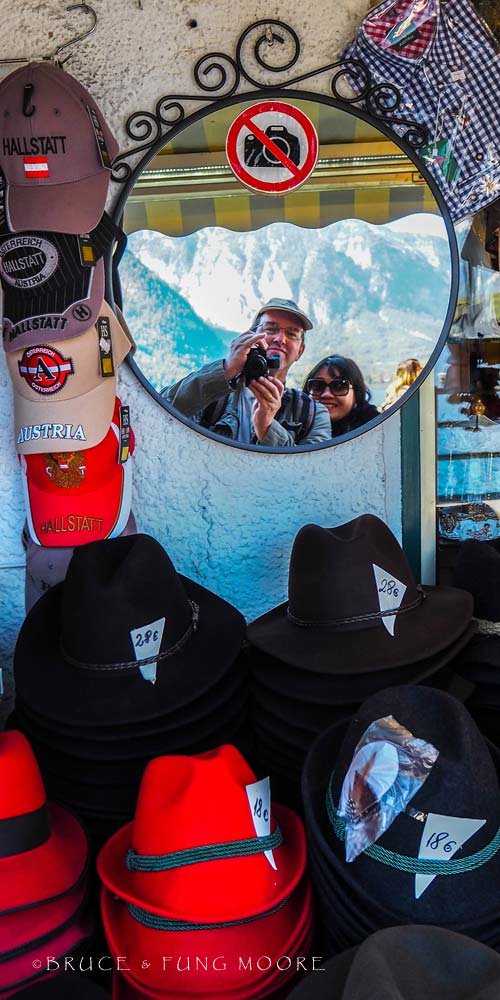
337, 387
291, 332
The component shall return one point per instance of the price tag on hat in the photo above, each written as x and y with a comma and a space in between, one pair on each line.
259, 800
146, 641
442, 837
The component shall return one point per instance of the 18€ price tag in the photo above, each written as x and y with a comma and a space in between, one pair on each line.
259, 800
442, 837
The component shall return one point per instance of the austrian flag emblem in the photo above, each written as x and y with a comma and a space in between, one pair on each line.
45, 369
36, 167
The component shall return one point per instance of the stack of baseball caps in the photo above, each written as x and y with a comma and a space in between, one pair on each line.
124, 660
63, 342
478, 570
402, 813
355, 622
43, 872
210, 868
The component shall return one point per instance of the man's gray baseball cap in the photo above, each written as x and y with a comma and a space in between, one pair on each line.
285, 305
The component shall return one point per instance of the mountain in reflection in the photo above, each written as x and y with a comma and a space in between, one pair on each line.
375, 293
171, 338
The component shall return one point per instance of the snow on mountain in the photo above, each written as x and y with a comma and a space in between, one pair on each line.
375, 293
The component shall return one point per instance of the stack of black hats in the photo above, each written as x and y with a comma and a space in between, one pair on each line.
123, 661
478, 570
408, 963
355, 622
437, 861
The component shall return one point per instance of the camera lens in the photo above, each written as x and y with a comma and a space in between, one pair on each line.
281, 144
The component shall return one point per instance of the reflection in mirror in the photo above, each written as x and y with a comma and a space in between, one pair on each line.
361, 251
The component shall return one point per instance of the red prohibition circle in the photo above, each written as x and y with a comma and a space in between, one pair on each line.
298, 174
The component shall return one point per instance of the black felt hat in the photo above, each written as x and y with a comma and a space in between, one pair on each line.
136, 744
313, 694
478, 571
75, 656
408, 963
464, 782
354, 606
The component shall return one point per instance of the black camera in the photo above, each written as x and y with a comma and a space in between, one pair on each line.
257, 155
258, 363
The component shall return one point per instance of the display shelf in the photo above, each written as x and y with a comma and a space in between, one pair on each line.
467, 400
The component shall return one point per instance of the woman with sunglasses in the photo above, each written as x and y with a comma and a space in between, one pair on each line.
338, 383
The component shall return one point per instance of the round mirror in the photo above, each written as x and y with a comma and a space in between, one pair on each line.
346, 285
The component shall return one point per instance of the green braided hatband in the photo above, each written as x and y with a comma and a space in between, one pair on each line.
157, 923
210, 852
415, 866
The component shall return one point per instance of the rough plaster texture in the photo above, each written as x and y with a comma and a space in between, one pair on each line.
226, 517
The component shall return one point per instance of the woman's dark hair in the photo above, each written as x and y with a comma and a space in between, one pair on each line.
348, 369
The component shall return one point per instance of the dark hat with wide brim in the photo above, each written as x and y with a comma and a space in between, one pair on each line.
408, 963
82, 648
354, 607
463, 782
139, 745
187, 716
122, 771
315, 692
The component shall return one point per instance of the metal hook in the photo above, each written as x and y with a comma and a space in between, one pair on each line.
84, 34
66, 45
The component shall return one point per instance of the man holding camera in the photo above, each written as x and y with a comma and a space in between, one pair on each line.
244, 397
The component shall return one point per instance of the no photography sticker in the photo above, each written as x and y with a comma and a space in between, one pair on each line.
272, 147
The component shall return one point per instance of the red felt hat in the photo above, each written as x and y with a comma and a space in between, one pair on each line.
205, 844
232, 961
26, 928
20, 971
75, 497
43, 848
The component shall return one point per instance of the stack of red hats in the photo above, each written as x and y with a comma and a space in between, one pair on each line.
43, 872
205, 891
63, 342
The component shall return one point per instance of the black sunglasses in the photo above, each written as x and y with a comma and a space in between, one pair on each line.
337, 387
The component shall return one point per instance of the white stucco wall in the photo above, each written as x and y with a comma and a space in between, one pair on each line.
226, 517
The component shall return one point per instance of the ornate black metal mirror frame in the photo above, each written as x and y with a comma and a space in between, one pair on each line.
376, 104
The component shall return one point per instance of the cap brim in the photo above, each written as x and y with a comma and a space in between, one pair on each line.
429, 628
74, 208
70, 325
66, 425
306, 322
